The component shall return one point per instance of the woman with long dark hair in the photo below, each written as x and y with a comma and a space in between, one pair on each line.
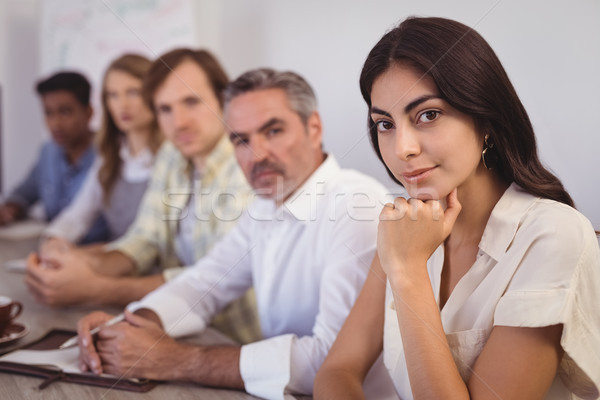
127, 143
486, 281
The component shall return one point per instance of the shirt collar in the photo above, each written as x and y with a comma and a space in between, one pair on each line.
144, 157
302, 204
217, 158
86, 159
504, 221
215, 161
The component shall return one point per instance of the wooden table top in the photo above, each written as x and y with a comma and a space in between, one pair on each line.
40, 319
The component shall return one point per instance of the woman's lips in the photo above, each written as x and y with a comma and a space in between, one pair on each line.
417, 175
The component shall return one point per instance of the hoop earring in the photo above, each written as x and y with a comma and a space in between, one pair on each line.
488, 155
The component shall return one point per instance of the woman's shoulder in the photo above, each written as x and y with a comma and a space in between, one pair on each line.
521, 219
522, 223
553, 233
563, 221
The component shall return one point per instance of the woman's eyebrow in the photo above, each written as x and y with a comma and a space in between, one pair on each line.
419, 100
410, 106
375, 110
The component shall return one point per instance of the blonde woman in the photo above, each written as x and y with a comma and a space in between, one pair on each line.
127, 143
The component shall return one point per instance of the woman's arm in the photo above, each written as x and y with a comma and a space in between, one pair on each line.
78, 217
515, 363
358, 343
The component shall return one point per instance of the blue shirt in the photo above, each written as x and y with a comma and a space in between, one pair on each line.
54, 181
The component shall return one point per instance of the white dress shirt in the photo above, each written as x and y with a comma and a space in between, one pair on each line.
538, 265
75, 220
307, 261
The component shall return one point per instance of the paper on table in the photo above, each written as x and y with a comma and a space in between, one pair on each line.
18, 265
27, 229
67, 359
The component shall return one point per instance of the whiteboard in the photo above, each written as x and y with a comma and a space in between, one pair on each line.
86, 35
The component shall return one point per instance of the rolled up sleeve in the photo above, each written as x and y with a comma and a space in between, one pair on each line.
187, 303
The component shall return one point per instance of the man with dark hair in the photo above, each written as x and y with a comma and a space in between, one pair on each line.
195, 196
72, 82
305, 245
65, 160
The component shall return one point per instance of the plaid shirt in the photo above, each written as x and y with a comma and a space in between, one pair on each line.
224, 194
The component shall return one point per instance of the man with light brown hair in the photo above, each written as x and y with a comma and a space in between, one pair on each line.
196, 194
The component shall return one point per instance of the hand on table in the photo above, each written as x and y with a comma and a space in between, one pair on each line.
9, 213
88, 358
65, 280
52, 251
136, 347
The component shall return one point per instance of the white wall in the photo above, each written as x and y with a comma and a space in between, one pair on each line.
551, 53
2, 80
2, 42
22, 125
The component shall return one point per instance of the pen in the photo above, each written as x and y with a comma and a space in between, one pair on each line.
73, 341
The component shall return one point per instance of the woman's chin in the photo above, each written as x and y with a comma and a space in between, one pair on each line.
424, 193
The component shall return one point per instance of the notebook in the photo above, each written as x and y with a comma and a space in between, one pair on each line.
28, 229
44, 359
17, 265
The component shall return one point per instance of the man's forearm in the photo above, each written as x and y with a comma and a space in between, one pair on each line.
120, 291
209, 365
113, 263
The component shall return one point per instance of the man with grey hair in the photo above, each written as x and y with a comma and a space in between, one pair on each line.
305, 244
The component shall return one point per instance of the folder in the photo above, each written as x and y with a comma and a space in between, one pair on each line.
45, 360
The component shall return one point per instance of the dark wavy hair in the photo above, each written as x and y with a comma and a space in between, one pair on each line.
470, 77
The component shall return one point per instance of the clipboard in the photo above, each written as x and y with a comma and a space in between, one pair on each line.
51, 373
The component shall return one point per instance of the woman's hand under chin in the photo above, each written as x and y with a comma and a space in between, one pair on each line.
410, 231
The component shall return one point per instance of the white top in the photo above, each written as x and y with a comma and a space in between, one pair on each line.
76, 220
538, 265
307, 260
185, 240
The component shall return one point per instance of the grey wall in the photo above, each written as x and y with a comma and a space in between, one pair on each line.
551, 53
22, 125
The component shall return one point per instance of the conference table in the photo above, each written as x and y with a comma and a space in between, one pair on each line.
39, 319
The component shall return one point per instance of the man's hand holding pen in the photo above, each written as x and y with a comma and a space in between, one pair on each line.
117, 351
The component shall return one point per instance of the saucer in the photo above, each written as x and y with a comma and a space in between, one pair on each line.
13, 333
